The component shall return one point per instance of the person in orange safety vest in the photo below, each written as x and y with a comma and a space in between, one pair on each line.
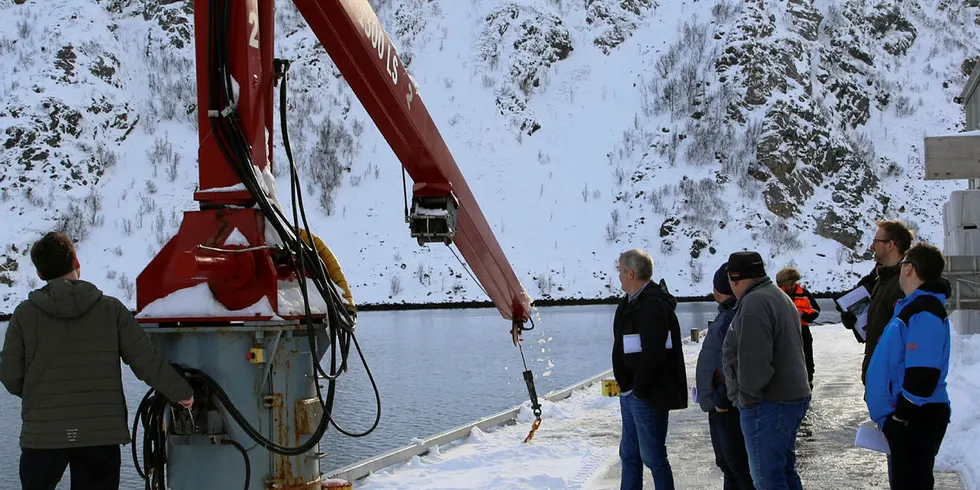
788, 280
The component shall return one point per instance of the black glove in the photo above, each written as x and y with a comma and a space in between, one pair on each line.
894, 430
850, 321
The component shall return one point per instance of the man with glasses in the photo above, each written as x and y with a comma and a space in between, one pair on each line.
891, 241
906, 380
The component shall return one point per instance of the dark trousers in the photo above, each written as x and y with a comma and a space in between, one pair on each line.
914, 448
92, 468
729, 445
808, 352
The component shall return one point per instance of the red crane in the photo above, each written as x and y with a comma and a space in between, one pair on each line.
242, 249
235, 115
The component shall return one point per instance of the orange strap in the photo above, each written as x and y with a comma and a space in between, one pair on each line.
534, 427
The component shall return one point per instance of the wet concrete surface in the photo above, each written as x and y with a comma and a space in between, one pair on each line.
826, 455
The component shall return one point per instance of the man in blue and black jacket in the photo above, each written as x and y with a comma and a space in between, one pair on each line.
724, 421
906, 381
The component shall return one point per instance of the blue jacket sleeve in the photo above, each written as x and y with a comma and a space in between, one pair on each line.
925, 349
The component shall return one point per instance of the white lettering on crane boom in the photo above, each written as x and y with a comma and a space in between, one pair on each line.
253, 20
363, 14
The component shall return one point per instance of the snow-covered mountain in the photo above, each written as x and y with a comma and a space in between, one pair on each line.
690, 128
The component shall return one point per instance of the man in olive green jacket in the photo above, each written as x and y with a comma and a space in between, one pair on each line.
61, 357
892, 239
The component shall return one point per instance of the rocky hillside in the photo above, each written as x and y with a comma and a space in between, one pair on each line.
690, 128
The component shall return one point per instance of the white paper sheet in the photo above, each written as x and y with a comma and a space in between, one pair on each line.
871, 438
631, 344
857, 302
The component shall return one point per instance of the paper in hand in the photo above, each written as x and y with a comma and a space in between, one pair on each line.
872, 438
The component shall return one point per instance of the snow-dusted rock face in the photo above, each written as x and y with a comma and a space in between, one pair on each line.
689, 128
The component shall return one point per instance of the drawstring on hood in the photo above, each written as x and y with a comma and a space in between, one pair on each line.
65, 299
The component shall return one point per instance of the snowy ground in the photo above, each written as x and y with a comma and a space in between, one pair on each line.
576, 446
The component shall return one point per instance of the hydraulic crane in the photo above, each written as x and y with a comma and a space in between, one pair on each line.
229, 297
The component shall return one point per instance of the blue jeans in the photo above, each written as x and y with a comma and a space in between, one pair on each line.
770, 438
644, 442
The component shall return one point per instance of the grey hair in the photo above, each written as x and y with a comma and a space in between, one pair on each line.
638, 261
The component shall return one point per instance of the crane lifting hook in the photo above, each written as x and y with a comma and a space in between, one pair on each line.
516, 330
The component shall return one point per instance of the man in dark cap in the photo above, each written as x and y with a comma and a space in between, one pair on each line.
765, 371
712, 393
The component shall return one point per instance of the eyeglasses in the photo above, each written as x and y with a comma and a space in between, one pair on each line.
882, 240
913, 264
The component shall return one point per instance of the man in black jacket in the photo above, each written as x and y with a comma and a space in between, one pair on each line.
892, 239
648, 364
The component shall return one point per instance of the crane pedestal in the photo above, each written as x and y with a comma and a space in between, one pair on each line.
266, 369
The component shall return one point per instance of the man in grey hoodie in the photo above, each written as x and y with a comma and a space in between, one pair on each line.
765, 371
61, 357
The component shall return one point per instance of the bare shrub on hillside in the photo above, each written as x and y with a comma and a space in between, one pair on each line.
32, 198
172, 165
781, 237
395, 286
701, 200
696, 269
724, 11
670, 96
620, 175
105, 157
93, 208
649, 95
161, 153
127, 286
904, 106
72, 222
667, 61
6, 45
658, 198
545, 283
333, 148
613, 227
704, 140
23, 28
422, 275
862, 146
694, 37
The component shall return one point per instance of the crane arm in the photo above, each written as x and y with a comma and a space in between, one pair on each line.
352, 35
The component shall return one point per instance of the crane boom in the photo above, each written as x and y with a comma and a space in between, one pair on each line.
352, 35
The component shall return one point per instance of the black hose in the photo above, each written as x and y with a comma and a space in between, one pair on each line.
248, 464
151, 413
231, 142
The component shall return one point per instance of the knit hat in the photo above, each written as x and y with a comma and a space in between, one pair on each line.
746, 265
787, 275
720, 282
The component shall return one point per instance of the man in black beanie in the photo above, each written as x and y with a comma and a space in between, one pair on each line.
712, 393
765, 371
